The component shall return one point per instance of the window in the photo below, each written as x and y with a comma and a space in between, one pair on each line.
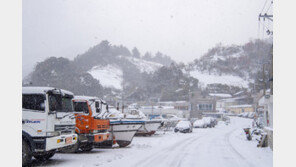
60, 104
67, 104
81, 107
97, 105
55, 103
34, 102
205, 107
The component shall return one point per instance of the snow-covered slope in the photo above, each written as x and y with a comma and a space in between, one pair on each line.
143, 65
205, 79
109, 76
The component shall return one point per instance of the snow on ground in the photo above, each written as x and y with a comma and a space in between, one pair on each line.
109, 76
143, 65
222, 146
205, 78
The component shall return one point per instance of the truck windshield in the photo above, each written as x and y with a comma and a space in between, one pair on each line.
34, 102
81, 107
60, 103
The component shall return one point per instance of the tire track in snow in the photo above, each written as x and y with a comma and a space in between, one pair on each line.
239, 155
180, 158
158, 154
165, 155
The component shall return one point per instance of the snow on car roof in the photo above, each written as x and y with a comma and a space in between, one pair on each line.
183, 124
42, 90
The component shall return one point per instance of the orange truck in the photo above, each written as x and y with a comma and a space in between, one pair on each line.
90, 128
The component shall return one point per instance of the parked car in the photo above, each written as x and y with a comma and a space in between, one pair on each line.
251, 115
245, 115
199, 124
183, 127
209, 121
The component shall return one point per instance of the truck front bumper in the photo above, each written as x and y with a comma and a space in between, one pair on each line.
94, 138
60, 141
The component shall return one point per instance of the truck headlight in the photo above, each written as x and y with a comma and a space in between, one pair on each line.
52, 134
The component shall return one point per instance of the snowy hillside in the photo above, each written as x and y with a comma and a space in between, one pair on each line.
205, 79
109, 76
144, 65
222, 56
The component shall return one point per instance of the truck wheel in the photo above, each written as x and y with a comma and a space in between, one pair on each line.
45, 156
72, 149
123, 143
26, 153
87, 147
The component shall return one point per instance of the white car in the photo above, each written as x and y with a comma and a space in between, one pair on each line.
183, 127
245, 114
251, 115
199, 124
209, 121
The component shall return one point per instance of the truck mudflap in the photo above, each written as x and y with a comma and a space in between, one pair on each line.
60, 141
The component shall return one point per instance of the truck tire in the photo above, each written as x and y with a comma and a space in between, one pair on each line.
72, 149
45, 156
123, 143
87, 147
26, 153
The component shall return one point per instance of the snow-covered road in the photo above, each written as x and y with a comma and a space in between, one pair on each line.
222, 146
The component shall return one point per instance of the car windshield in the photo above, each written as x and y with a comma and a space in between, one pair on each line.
60, 103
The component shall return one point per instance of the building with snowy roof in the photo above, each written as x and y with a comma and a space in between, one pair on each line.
238, 109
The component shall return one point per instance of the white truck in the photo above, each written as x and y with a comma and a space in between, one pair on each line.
48, 122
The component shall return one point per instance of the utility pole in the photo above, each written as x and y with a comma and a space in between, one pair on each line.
265, 16
263, 78
271, 77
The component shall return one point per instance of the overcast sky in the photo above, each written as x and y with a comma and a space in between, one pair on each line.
182, 29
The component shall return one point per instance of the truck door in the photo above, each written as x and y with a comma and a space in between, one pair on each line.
82, 112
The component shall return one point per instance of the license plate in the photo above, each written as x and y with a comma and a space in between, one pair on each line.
104, 137
68, 140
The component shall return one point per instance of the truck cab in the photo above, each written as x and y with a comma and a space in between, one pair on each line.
48, 122
90, 125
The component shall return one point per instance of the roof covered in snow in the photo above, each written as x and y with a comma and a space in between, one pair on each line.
43, 90
241, 106
88, 98
220, 95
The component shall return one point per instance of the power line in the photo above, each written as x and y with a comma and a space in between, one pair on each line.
263, 6
269, 6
